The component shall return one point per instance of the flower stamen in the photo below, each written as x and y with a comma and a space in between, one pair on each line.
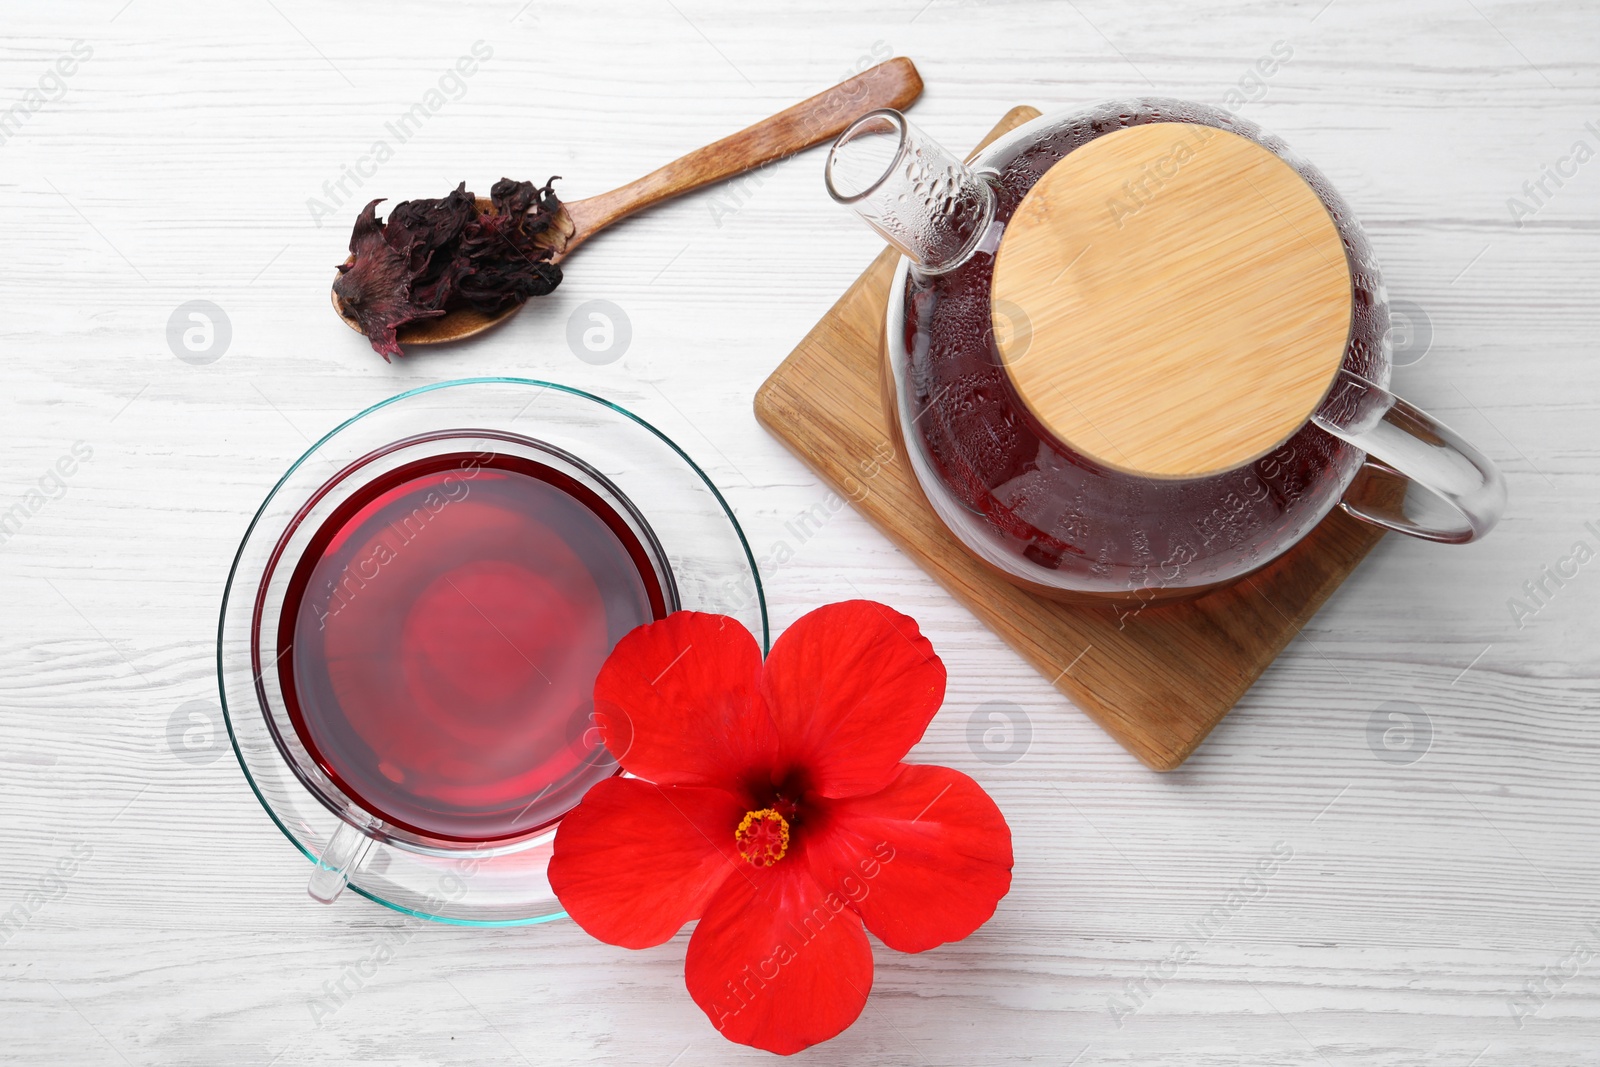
762, 837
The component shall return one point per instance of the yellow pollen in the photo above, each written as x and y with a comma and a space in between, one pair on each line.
762, 837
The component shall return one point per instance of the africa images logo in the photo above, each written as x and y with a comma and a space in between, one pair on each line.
50, 87
451, 85
1542, 588
1537, 192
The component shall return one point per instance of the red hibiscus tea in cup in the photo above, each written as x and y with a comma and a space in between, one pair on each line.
441, 635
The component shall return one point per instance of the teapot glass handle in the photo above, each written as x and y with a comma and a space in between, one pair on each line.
1406, 440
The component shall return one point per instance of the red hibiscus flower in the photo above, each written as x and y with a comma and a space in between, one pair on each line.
770, 802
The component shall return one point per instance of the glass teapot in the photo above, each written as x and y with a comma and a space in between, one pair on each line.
1139, 351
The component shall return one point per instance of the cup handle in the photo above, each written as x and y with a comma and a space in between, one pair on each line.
344, 854
1404, 439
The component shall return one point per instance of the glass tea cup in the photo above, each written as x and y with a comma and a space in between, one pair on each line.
450, 850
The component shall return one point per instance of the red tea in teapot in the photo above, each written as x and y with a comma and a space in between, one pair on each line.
441, 635
1018, 492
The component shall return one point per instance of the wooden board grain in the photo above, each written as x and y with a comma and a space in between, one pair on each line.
1157, 678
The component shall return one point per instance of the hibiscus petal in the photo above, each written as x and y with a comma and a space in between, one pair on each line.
634, 861
677, 703
851, 687
777, 961
925, 861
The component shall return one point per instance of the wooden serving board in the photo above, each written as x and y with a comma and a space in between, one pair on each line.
1156, 678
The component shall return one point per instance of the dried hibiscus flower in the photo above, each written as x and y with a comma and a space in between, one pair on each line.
434, 256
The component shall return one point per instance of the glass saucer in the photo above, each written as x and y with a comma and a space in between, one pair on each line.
708, 563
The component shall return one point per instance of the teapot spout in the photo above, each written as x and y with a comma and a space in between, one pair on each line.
927, 204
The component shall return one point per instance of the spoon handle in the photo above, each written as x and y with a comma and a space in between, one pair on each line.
894, 83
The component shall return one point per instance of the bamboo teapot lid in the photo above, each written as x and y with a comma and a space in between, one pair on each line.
1171, 300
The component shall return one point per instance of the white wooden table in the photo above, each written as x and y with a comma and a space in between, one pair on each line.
1437, 910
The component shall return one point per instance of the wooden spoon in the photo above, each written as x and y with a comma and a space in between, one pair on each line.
895, 84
